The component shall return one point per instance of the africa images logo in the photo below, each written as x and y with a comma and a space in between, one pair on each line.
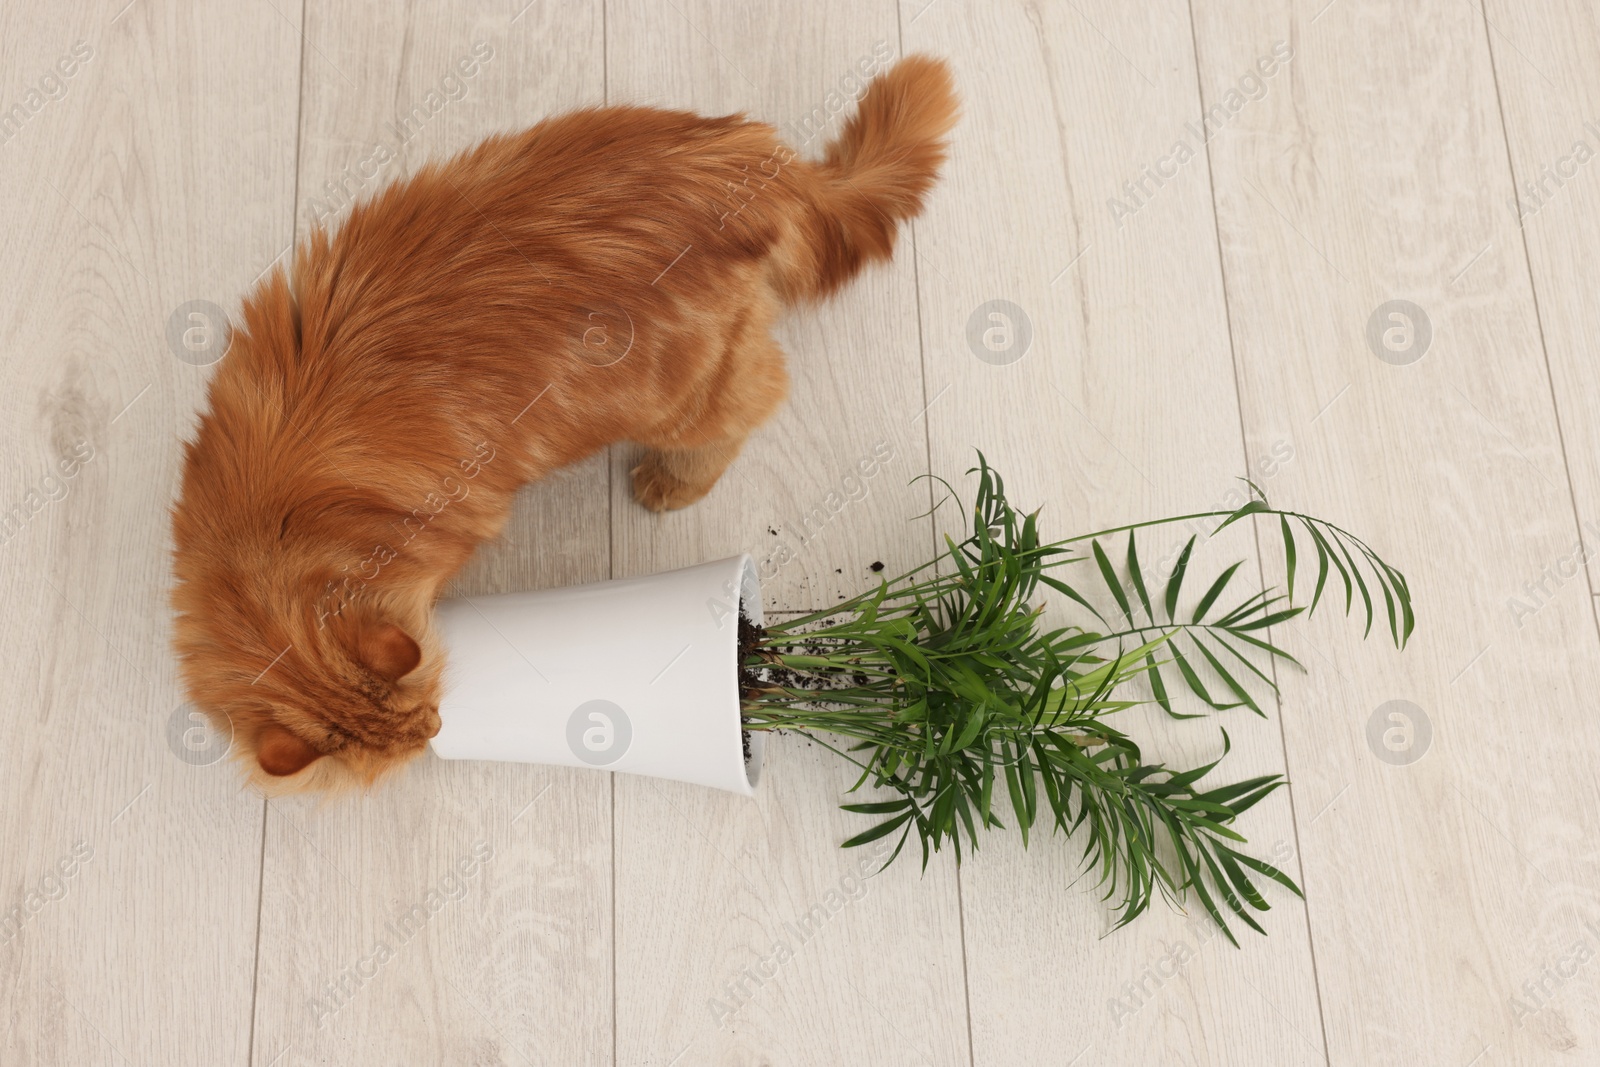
599, 732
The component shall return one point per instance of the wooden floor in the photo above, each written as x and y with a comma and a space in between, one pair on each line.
1202, 212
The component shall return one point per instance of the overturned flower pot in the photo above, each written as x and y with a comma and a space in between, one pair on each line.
638, 675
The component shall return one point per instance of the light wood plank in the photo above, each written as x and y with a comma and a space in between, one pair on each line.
1544, 60
518, 968
118, 211
1122, 409
707, 882
1436, 889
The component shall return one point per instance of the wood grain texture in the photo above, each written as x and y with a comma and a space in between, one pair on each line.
744, 935
1544, 58
129, 875
504, 959
1436, 887
1120, 408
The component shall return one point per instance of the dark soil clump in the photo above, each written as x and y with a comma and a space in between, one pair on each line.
756, 671
750, 635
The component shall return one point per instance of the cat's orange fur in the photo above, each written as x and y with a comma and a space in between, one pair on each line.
609, 274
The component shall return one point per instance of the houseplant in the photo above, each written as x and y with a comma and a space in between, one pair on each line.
942, 686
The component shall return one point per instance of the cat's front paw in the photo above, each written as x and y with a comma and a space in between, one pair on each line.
659, 489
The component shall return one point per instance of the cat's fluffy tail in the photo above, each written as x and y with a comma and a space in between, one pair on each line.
875, 174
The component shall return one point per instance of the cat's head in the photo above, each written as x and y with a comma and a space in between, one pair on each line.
318, 693
297, 628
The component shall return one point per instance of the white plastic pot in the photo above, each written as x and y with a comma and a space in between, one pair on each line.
638, 675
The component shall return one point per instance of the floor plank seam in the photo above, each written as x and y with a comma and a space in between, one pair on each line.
1255, 531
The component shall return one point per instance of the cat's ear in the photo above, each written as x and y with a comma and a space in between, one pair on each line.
388, 651
282, 753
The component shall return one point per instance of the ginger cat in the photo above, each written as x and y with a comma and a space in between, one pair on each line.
611, 274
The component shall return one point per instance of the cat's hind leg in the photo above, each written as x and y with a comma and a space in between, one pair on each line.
685, 457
